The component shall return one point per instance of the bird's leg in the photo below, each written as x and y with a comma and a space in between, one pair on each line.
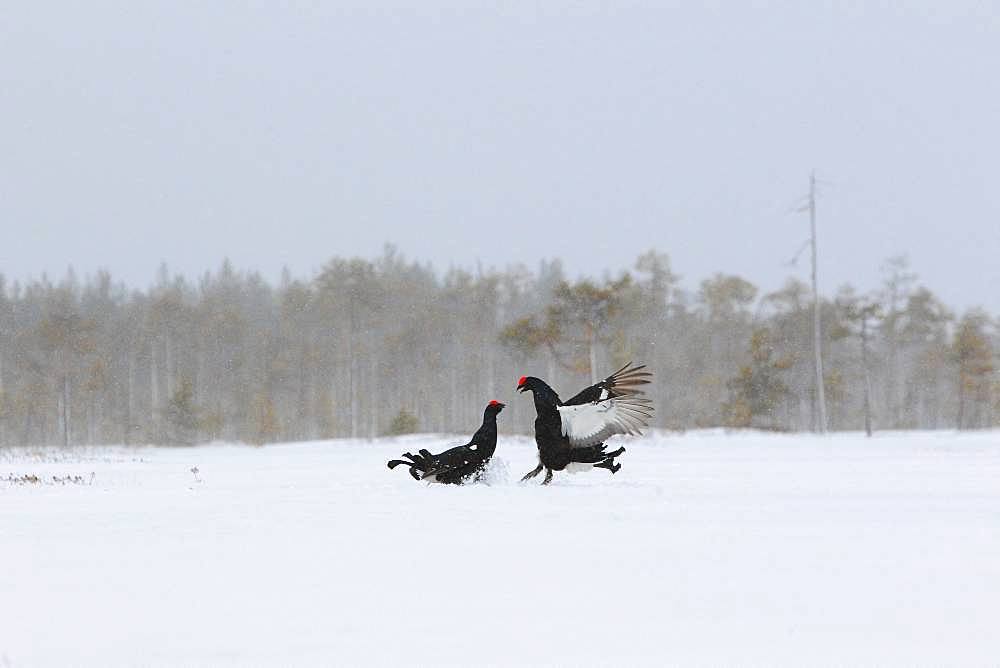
531, 474
609, 464
548, 477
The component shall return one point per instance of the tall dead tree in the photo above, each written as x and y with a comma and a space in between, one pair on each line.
817, 351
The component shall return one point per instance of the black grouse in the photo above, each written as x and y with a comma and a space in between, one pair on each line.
461, 464
570, 435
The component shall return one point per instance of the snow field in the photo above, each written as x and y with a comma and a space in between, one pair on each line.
706, 548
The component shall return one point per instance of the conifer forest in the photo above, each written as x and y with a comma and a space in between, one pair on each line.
369, 347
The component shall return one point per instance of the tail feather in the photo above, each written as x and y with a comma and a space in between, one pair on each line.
626, 379
418, 464
589, 455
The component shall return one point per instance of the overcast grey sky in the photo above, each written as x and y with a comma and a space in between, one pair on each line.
285, 133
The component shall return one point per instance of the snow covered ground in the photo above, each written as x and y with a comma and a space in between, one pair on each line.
705, 549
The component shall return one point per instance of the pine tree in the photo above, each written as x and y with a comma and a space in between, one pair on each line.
757, 390
181, 415
405, 422
974, 357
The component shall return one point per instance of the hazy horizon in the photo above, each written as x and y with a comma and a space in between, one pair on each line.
135, 135
688, 284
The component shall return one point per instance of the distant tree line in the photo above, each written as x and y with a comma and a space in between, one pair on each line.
370, 347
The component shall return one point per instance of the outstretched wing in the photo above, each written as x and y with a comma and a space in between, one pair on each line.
592, 423
621, 383
613, 406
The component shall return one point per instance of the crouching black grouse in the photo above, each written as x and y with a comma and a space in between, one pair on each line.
459, 465
570, 435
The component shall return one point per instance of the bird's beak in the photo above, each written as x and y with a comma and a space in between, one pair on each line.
522, 388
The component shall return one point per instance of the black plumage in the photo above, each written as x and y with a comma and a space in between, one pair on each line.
461, 464
573, 432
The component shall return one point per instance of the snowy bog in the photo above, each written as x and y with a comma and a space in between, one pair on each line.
706, 548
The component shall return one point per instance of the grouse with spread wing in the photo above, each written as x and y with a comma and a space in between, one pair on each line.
570, 435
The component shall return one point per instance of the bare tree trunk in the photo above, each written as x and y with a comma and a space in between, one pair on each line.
451, 420
986, 412
354, 398
353, 387
961, 400
491, 379
168, 368
65, 409
154, 394
129, 401
894, 374
3, 421
28, 415
373, 394
302, 400
199, 374
90, 419
820, 392
868, 381
593, 354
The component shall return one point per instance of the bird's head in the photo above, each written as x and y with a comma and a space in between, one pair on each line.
542, 393
528, 383
494, 407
